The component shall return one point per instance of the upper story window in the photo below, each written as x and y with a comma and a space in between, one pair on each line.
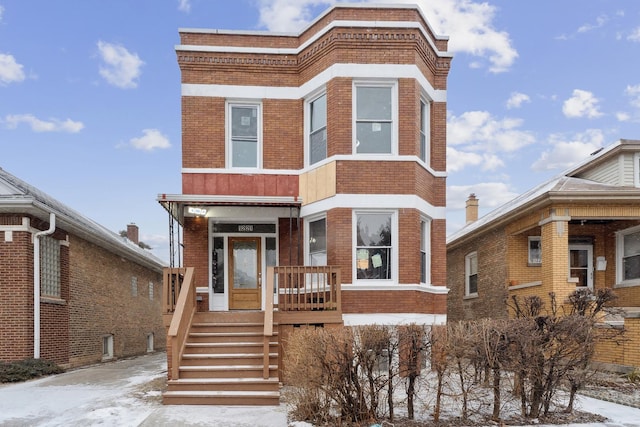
317, 147
374, 118
471, 274
425, 240
425, 130
628, 254
636, 169
244, 145
49, 266
535, 250
374, 248
318, 242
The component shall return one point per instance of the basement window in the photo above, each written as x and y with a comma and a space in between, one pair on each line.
107, 347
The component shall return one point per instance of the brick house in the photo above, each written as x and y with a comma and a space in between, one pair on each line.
579, 229
99, 294
321, 155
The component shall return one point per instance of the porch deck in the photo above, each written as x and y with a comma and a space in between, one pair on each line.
233, 357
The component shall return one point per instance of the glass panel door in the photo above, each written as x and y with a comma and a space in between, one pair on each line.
245, 277
581, 264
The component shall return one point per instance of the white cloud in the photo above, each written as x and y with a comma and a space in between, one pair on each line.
566, 151
184, 5
623, 116
490, 195
635, 35
581, 104
469, 25
37, 125
633, 92
517, 99
458, 160
1, 12
480, 131
151, 140
10, 70
600, 21
121, 68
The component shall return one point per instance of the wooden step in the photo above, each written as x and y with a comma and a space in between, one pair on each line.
224, 384
227, 359
228, 326
230, 347
226, 371
225, 337
221, 398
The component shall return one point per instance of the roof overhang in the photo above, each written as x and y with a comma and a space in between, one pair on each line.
176, 204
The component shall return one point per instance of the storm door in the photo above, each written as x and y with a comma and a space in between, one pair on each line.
245, 277
581, 264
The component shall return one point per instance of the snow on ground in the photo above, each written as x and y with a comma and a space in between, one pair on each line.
126, 393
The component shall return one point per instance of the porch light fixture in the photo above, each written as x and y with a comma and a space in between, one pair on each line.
197, 211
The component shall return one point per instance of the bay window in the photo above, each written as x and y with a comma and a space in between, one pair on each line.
317, 147
629, 256
374, 115
374, 250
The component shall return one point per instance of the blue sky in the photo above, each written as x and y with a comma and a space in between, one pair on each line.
90, 94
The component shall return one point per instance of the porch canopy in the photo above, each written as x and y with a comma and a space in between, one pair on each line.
181, 206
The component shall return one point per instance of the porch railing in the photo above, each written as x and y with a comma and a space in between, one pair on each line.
307, 288
180, 299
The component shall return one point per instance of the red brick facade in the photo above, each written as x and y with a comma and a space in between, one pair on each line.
280, 74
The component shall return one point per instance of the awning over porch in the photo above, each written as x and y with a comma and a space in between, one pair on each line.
178, 204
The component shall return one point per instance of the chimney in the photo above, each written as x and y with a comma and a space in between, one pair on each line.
132, 233
472, 209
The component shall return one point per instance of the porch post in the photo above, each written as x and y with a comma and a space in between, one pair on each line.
555, 258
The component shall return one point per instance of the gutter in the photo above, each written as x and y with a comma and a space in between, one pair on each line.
36, 283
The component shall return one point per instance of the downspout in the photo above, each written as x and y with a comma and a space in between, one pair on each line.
36, 283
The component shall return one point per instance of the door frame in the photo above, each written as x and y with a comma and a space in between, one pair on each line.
589, 249
249, 293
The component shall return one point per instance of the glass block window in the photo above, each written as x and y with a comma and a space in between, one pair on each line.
49, 266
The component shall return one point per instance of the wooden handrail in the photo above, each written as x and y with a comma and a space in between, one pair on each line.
185, 308
302, 288
268, 321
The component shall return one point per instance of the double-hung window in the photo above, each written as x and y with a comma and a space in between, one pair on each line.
425, 239
317, 147
471, 274
244, 135
374, 115
318, 242
629, 256
374, 249
636, 169
49, 266
425, 131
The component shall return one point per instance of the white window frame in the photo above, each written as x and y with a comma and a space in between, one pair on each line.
107, 347
425, 250
307, 231
530, 259
50, 282
468, 273
150, 343
393, 85
230, 104
394, 246
307, 126
620, 235
425, 129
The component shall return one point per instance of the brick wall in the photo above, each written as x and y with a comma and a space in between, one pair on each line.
101, 303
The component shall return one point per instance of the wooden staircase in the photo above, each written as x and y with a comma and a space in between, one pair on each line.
223, 362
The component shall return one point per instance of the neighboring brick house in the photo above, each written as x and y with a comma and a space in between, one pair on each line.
579, 229
327, 147
99, 293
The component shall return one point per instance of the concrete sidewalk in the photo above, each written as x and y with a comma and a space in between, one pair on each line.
121, 393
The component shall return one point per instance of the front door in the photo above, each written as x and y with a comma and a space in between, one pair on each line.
245, 277
581, 264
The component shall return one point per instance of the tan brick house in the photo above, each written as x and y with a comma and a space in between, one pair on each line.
321, 154
579, 229
98, 295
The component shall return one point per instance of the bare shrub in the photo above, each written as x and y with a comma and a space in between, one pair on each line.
413, 345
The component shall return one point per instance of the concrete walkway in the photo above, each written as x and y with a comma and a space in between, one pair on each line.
121, 393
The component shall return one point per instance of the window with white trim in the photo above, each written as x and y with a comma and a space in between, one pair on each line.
628, 255
317, 145
535, 250
636, 169
425, 137
374, 250
425, 252
244, 132
318, 242
107, 347
471, 274
374, 116
49, 266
